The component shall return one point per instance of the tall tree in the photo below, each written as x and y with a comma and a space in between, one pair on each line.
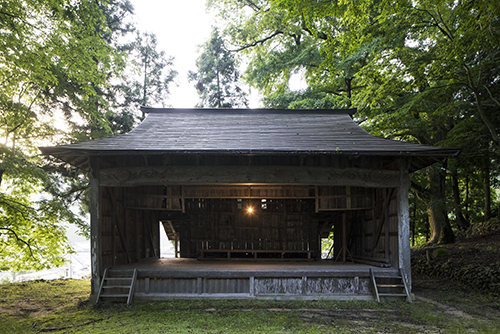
52, 54
151, 74
217, 78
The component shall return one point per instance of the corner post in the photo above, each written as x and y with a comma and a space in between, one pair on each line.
95, 246
404, 222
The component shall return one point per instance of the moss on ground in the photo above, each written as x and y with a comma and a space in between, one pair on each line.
456, 288
59, 307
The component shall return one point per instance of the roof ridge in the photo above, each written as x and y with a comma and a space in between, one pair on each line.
350, 112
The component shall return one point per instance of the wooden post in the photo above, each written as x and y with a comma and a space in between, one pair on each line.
316, 200
113, 229
344, 250
95, 214
252, 286
146, 285
199, 285
348, 201
176, 247
404, 222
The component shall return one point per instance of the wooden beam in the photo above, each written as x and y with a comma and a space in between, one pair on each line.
95, 215
404, 222
289, 175
316, 201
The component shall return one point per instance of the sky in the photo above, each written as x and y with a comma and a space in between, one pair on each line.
180, 26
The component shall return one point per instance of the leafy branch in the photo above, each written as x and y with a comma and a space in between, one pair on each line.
260, 41
11, 231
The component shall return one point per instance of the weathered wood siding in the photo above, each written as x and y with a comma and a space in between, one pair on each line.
375, 231
225, 224
127, 235
337, 286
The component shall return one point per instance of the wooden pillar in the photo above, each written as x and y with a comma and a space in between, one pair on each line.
404, 222
95, 215
176, 250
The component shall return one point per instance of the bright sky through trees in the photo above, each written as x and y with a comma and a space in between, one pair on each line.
180, 27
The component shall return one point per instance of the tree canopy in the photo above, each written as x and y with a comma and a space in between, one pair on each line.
52, 54
421, 71
62, 63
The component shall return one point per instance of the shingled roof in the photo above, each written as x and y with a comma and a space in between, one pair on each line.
247, 131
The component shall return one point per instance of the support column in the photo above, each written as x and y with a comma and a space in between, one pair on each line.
404, 222
95, 246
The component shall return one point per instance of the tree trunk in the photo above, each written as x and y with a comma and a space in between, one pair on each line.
461, 221
487, 191
427, 227
467, 215
219, 93
438, 214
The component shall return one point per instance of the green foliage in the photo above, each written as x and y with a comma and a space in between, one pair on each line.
30, 234
56, 59
306, 99
217, 76
420, 71
151, 73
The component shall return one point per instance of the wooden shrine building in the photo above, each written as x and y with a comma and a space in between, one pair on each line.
247, 196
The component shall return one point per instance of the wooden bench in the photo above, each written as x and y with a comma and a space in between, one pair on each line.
241, 254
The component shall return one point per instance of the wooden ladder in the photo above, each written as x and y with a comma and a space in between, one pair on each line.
390, 286
117, 286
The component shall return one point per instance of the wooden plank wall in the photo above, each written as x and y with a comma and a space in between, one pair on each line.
127, 235
130, 220
375, 231
340, 198
225, 224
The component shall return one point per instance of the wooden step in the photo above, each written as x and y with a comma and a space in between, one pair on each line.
127, 289
390, 285
114, 295
389, 277
390, 289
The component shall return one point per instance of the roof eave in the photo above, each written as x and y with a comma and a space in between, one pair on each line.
59, 150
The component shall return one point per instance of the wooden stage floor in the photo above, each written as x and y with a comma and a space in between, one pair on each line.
234, 268
159, 279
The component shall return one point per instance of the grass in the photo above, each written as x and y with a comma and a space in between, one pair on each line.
60, 307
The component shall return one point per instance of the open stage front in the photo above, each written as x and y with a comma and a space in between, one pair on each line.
254, 193
190, 278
